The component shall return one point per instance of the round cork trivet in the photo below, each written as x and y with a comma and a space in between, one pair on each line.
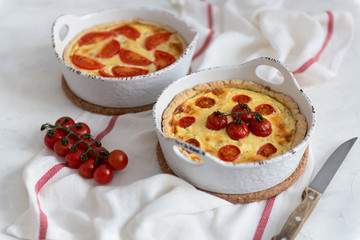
99, 109
249, 197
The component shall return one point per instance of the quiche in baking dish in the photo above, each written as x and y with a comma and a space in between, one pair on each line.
124, 49
236, 121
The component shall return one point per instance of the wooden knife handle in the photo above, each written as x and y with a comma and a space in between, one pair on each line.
310, 198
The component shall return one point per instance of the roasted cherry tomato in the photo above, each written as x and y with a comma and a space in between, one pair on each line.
74, 159
95, 37
80, 128
229, 153
241, 98
194, 142
86, 62
109, 50
103, 73
216, 121
264, 109
103, 174
121, 71
237, 131
205, 102
186, 121
133, 58
52, 136
246, 117
163, 59
156, 39
65, 122
127, 31
260, 128
87, 168
118, 159
267, 150
63, 146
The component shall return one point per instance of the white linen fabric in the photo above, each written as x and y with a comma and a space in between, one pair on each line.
143, 203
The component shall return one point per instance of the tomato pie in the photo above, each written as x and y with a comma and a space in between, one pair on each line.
124, 49
236, 121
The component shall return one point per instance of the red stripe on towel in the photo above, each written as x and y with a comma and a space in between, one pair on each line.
311, 61
264, 218
210, 34
107, 129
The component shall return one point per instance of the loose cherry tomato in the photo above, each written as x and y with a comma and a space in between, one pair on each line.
241, 98
267, 150
216, 121
194, 142
65, 122
154, 40
80, 128
86, 62
118, 159
109, 50
74, 159
163, 59
120, 71
128, 31
246, 117
229, 153
237, 131
52, 136
133, 58
87, 168
186, 121
103, 174
95, 37
205, 102
264, 109
260, 128
63, 146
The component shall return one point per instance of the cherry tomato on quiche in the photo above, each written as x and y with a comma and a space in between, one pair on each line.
193, 141
74, 159
229, 153
87, 168
246, 117
133, 58
216, 121
109, 50
156, 39
65, 122
264, 109
118, 159
103, 174
62, 147
95, 37
86, 62
205, 102
241, 98
186, 121
260, 128
163, 59
127, 31
103, 73
80, 128
52, 136
267, 150
121, 71
237, 131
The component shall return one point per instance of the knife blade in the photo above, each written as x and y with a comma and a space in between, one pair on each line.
312, 193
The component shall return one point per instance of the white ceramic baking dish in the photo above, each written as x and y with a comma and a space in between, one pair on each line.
121, 92
216, 175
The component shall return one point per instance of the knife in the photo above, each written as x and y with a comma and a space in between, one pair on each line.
312, 193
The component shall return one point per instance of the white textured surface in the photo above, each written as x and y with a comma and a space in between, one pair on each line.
30, 94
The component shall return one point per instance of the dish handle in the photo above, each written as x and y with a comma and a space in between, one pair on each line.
62, 33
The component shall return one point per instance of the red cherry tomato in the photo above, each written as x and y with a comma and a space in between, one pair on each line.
86, 62
264, 109
52, 136
80, 128
101, 151
194, 142
246, 117
205, 102
103, 73
186, 121
237, 131
109, 50
163, 59
241, 98
154, 40
103, 174
95, 37
87, 139
118, 159
74, 159
120, 71
87, 168
127, 31
267, 150
65, 122
133, 58
260, 128
61, 147
229, 153
216, 121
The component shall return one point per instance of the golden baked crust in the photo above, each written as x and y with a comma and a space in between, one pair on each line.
293, 136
